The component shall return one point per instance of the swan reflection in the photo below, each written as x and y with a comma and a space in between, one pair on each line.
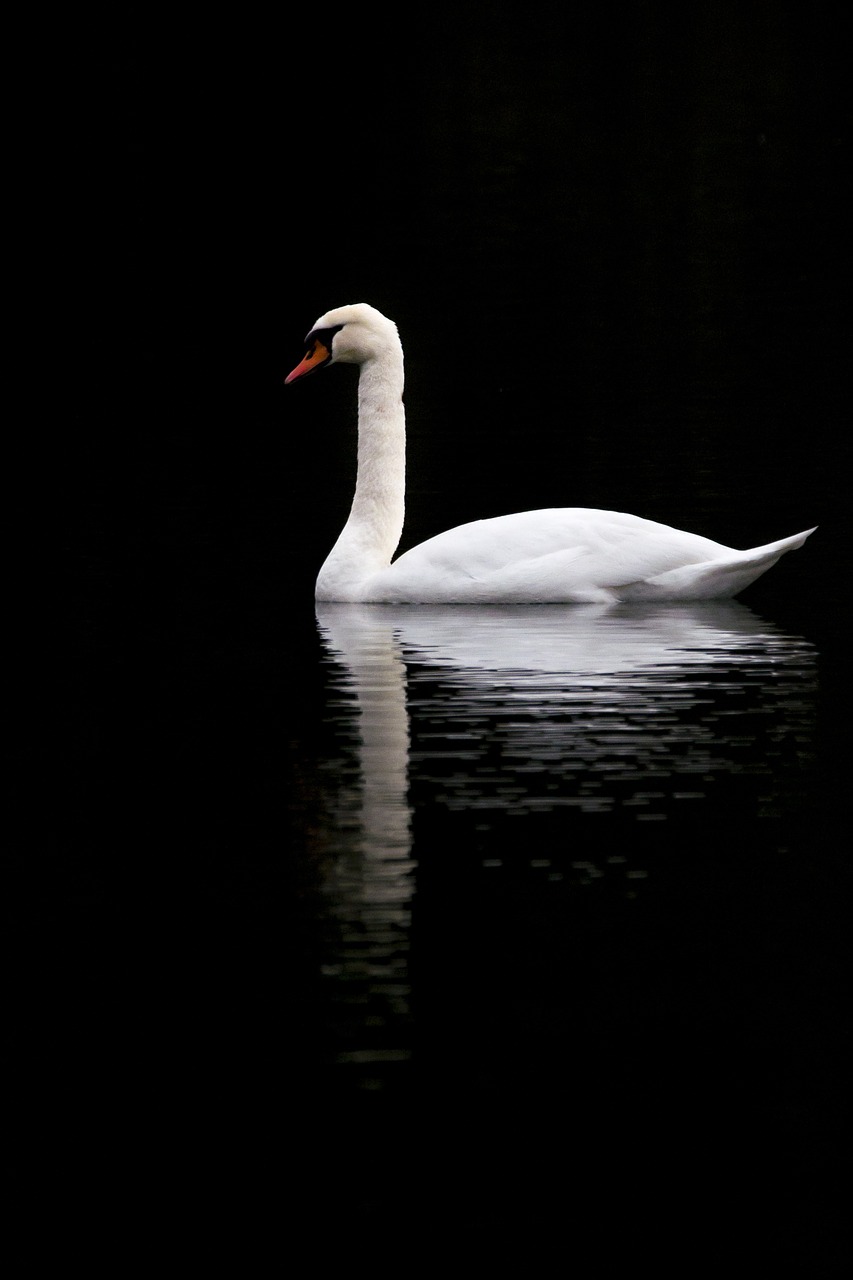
470, 718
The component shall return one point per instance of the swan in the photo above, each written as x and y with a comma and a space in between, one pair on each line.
555, 556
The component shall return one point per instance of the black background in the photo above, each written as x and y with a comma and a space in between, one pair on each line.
615, 246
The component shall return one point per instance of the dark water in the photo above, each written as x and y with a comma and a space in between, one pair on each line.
409, 927
565, 753
570, 890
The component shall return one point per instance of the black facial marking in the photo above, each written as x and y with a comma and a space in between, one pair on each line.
323, 335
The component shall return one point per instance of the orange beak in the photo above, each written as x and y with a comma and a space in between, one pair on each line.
315, 359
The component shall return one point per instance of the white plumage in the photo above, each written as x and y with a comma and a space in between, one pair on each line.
557, 555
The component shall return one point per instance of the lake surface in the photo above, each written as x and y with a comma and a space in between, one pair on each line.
567, 753
567, 866
493, 924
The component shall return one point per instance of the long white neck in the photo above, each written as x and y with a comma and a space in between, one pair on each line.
371, 534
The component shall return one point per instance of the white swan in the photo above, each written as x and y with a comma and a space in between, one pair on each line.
560, 555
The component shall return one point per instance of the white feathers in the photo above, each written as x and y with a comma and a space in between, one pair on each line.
559, 555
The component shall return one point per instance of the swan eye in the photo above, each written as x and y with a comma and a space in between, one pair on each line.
324, 335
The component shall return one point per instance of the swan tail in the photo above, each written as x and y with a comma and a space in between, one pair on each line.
714, 579
779, 548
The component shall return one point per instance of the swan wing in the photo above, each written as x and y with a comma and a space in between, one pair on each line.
559, 554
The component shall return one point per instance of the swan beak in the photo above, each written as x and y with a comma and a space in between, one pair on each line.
314, 359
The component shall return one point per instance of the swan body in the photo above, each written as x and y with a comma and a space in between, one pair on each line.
554, 556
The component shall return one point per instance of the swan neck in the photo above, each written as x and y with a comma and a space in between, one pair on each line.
381, 481
372, 532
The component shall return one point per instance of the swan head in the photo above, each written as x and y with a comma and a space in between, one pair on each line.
349, 335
